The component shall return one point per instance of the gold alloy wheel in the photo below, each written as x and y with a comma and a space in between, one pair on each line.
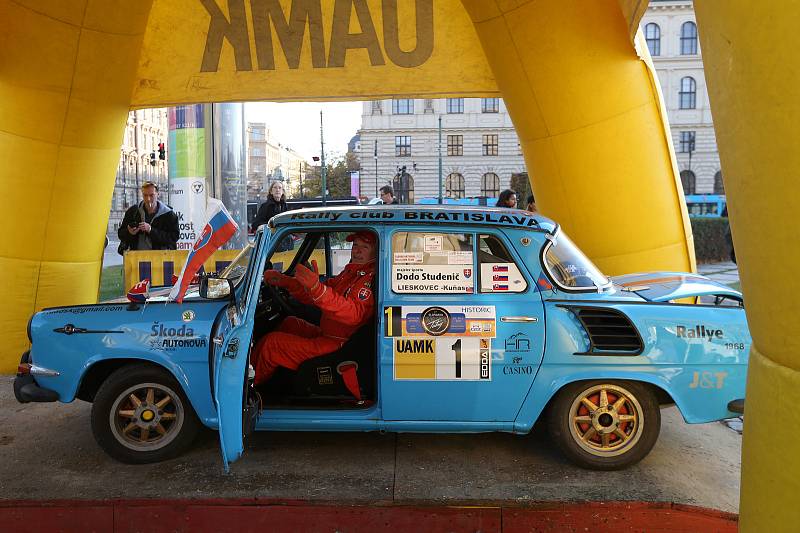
606, 420
146, 417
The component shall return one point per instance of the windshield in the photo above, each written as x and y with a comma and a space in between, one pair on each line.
567, 265
238, 267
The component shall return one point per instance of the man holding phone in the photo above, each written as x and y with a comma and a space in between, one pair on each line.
149, 225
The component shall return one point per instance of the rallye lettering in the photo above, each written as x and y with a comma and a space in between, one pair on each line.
698, 332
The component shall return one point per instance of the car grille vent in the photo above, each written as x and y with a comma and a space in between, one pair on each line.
609, 331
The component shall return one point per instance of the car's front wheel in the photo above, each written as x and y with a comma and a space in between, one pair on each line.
141, 415
605, 425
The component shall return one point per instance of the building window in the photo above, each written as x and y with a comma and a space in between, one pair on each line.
403, 106
455, 145
490, 144
402, 146
688, 181
688, 39
377, 107
687, 142
688, 93
719, 187
490, 105
455, 105
652, 34
455, 185
403, 185
490, 185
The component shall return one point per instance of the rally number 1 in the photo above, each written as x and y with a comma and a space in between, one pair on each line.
457, 349
394, 321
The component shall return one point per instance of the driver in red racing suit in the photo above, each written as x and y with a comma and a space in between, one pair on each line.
345, 300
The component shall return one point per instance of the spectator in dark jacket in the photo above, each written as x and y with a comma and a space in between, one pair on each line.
275, 205
149, 225
507, 198
387, 196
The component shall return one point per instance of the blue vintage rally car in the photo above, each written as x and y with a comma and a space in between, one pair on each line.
486, 319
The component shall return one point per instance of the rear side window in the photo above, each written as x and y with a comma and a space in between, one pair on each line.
435, 262
498, 271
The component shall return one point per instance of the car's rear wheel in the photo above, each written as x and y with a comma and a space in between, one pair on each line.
141, 415
604, 425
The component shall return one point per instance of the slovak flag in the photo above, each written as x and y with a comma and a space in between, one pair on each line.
499, 268
498, 277
218, 230
140, 292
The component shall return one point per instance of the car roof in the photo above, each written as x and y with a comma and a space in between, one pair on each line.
416, 214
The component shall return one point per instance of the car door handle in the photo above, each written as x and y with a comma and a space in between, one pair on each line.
518, 319
218, 340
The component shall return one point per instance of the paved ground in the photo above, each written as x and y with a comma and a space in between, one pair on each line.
725, 272
48, 452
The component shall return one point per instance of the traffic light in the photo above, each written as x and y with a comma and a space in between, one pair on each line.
162, 151
153, 158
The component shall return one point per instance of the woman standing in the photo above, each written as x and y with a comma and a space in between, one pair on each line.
275, 205
508, 198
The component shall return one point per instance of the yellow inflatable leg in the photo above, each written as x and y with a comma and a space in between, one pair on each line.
67, 77
591, 123
754, 86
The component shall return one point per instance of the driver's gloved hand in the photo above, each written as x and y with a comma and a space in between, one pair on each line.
278, 279
309, 279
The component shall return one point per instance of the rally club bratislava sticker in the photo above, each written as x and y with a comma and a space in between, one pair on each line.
435, 321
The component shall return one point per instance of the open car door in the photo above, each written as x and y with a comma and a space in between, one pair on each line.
237, 406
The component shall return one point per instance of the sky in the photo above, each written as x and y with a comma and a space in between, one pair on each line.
296, 124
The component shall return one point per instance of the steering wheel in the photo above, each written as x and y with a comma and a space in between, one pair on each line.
278, 296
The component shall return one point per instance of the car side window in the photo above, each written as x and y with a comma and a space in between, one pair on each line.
498, 270
432, 263
340, 251
284, 255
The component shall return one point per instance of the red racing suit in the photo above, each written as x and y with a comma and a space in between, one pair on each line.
346, 303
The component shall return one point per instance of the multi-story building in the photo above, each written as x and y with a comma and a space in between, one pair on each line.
268, 160
399, 146
140, 161
671, 32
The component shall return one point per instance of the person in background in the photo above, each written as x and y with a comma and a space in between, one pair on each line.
531, 204
508, 198
149, 225
387, 195
275, 205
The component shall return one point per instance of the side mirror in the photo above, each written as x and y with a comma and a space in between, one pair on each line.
215, 288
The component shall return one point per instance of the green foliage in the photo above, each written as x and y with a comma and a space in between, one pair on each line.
111, 283
710, 243
337, 175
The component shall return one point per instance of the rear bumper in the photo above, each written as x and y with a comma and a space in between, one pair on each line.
27, 390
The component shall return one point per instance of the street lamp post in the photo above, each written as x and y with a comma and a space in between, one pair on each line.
376, 167
440, 160
322, 162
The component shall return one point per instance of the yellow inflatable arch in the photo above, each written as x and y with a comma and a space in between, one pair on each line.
576, 78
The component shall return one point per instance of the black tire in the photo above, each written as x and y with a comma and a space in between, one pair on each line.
587, 436
162, 426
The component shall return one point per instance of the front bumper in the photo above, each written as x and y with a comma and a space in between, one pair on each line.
27, 390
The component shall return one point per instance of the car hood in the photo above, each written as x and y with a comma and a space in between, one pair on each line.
667, 286
159, 294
